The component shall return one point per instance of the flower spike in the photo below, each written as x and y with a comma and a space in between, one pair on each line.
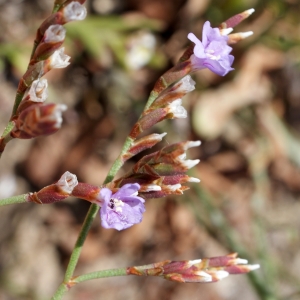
56, 192
199, 270
37, 120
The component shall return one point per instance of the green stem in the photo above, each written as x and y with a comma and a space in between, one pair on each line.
94, 208
6, 137
119, 161
100, 274
14, 199
62, 289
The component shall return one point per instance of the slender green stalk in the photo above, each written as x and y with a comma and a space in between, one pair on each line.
118, 163
62, 289
94, 208
18, 99
14, 199
6, 137
100, 274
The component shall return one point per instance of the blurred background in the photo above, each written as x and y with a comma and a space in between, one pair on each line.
248, 200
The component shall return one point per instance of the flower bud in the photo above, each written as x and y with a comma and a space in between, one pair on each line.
143, 144
58, 60
67, 182
165, 169
199, 270
38, 90
176, 111
38, 119
56, 192
54, 34
237, 19
53, 39
74, 11
236, 37
176, 91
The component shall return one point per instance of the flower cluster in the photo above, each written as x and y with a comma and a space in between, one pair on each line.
31, 117
200, 270
155, 175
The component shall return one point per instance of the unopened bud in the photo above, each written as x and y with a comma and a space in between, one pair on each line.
38, 90
67, 182
55, 34
59, 59
193, 270
143, 144
55, 192
38, 119
176, 110
237, 19
236, 37
74, 11
226, 31
177, 91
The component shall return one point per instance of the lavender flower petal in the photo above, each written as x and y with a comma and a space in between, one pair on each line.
212, 52
122, 209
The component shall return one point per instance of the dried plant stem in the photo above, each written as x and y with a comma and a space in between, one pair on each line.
14, 199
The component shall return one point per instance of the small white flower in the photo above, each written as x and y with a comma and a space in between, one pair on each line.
74, 12
185, 85
38, 90
55, 34
67, 182
59, 59
177, 110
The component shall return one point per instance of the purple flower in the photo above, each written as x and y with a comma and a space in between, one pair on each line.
212, 52
122, 209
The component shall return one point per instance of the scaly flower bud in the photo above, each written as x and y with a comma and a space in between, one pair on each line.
143, 144
236, 37
37, 94
38, 91
52, 40
199, 270
176, 110
67, 182
237, 19
165, 168
74, 11
38, 119
58, 60
55, 192
176, 91
54, 34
